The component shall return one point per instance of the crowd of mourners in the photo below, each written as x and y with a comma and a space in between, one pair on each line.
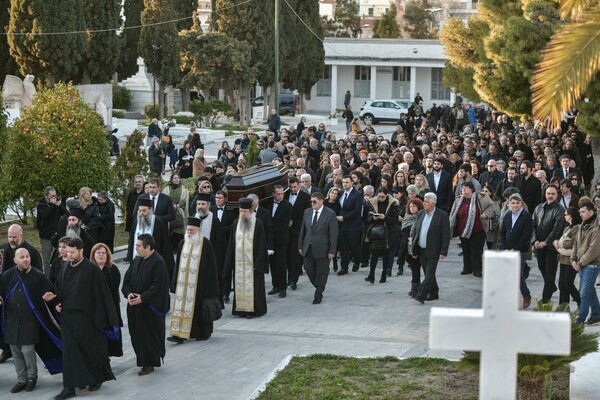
350, 201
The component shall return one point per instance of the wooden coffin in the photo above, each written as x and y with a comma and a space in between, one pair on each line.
258, 180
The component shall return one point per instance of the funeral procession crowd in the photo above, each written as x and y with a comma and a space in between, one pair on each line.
458, 171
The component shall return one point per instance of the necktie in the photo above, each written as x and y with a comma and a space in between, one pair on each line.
153, 203
314, 223
344, 198
220, 208
566, 172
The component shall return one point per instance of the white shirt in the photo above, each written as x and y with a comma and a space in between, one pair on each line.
293, 197
320, 211
436, 179
515, 217
427, 218
345, 197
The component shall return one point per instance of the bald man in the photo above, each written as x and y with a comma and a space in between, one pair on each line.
17, 241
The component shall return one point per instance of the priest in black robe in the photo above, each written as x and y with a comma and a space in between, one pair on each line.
17, 241
27, 323
87, 317
146, 288
211, 229
247, 258
196, 287
147, 222
75, 228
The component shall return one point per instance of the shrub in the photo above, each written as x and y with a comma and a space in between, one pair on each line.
58, 141
118, 114
121, 97
151, 110
183, 120
212, 110
252, 152
132, 161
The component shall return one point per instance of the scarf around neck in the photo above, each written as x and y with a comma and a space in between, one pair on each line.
470, 218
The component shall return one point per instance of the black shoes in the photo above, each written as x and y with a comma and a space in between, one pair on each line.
294, 286
355, 268
412, 293
370, 278
465, 272
477, 274
282, 293
65, 394
93, 388
175, 339
592, 321
31, 382
273, 291
317, 300
6, 354
343, 272
19, 387
432, 297
400, 272
420, 300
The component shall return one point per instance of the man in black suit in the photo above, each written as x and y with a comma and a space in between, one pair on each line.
162, 204
226, 217
565, 169
440, 182
515, 234
429, 240
351, 203
300, 201
318, 243
281, 218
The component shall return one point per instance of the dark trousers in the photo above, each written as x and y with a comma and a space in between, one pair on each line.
317, 270
350, 246
429, 284
278, 262
385, 255
548, 264
566, 285
365, 250
473, 252
294, 259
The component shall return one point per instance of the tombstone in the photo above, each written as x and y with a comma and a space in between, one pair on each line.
499, 330
99, 97
258, 180
17, 93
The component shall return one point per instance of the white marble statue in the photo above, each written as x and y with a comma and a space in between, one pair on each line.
18, 93
101, 108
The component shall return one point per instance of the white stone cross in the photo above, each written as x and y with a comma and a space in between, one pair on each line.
499, 330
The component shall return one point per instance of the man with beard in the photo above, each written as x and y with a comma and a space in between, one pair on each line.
15, 242
196, 287
529, 186
25, 314
146, 288
74, 230
247, 257
210, 228
87, 314
440, 183
147, 222
48, 212
161, 203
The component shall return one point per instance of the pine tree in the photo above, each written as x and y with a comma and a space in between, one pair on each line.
132, 11
387, 26
102, 53
419, 20
346, 18
132, 161
159, 45
51, 58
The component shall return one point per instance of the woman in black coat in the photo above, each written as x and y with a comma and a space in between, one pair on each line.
102, 257
89, 205
106, 232
382, 233
186, 156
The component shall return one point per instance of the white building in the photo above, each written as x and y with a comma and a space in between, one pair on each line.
379, 69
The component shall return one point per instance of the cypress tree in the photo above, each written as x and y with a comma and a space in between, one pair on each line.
102, 52
387, 26
132, 11
8, 65
50, 58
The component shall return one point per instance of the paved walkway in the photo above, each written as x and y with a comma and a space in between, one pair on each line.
355, 318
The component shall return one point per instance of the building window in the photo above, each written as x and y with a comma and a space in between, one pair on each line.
370, 11
324, 84
438, 90
362, 81
401, 83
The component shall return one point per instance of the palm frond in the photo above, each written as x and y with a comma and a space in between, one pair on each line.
574, 8
570, 61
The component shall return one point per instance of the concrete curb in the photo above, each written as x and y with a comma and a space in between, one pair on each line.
263, 385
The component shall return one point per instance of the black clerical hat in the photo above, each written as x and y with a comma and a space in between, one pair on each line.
203, 197
245, 203
193, 221
145, 202
77, 212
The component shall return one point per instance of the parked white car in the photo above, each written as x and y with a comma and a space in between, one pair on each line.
374, 111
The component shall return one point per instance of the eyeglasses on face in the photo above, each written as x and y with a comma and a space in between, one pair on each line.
314, 201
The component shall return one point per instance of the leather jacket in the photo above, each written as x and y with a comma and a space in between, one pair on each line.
548, 223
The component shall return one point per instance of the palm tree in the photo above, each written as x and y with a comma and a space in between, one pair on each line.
570, 62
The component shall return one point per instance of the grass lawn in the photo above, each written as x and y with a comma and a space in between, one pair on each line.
325, 376
32, 237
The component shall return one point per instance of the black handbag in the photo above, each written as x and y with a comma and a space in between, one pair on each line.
211, 309
377, 231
